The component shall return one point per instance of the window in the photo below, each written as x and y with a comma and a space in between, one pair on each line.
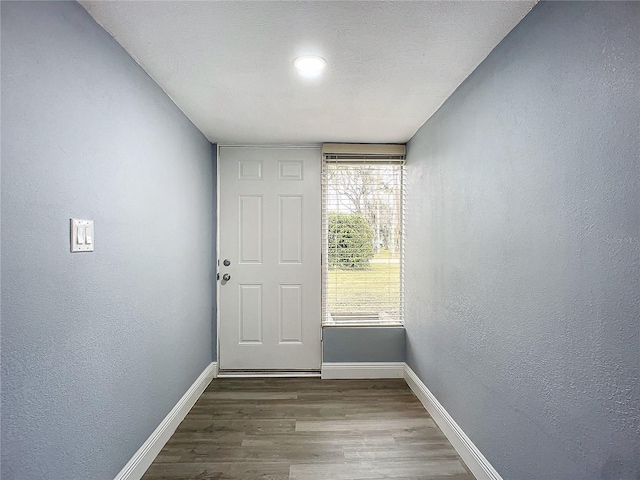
363, 234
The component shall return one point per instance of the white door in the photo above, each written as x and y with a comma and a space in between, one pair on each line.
270, 235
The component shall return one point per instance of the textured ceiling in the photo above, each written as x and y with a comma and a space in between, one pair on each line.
228, 65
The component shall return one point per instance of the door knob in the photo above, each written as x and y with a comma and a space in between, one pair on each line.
226, 277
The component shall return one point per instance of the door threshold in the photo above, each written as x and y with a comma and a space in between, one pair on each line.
267, 374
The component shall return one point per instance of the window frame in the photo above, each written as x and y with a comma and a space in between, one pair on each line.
354, 156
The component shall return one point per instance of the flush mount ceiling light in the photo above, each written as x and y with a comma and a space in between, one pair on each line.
310, 65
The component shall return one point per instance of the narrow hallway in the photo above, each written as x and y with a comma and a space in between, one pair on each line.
307, 428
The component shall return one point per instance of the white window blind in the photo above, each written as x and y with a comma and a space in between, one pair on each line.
363, 234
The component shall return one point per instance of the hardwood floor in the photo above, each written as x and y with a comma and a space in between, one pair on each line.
307, 428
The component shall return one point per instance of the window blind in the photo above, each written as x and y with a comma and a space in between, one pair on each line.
363, 234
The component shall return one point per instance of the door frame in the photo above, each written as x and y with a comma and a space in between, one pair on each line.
217, 260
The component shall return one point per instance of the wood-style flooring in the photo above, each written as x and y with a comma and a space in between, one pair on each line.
307, 428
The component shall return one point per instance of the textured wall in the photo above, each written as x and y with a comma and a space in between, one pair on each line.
363, 344
523, 247
96, 347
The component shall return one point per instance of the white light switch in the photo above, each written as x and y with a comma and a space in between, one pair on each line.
81, 235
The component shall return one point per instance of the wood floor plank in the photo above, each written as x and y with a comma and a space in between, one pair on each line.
307, 429
362, 425
377, 470
248, 396
217, 471
285, 441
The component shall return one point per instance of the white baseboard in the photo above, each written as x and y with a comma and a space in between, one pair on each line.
474, 459
477, 463
142, 459
354, 370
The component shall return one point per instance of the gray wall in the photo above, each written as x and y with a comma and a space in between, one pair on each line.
363, 344
523, 247
96, 347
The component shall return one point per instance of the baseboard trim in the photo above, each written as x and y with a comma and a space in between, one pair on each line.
474, 459
355, 370
477, 463
142, 459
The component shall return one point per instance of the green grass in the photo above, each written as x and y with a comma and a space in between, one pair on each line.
384, 253
374, 290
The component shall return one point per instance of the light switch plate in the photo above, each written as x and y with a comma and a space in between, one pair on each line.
82, 239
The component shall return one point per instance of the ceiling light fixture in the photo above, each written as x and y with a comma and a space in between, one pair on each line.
310, 65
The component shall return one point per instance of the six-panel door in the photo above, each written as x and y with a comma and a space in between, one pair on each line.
270, 233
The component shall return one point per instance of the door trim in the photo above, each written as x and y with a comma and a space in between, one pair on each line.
217, 260
257, 145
